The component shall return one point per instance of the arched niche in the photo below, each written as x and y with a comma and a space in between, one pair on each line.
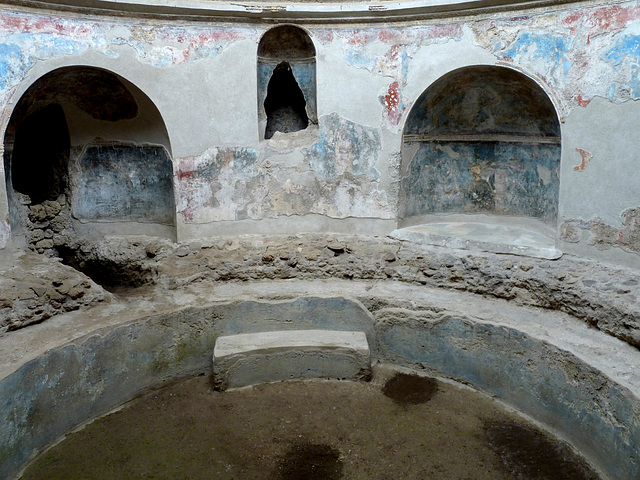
286, 81
87, 151
481, 140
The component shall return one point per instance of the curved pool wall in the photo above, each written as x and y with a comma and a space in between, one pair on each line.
578, 382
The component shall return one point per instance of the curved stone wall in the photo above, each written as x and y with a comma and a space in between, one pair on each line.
513, 353
344, 172
517, 328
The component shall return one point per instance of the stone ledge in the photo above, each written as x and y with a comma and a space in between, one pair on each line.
253, 358
481, 237
582, 384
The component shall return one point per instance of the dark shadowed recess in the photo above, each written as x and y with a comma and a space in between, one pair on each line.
484, 100
285, 104
410, 389
529, 454
41, 154
114, 275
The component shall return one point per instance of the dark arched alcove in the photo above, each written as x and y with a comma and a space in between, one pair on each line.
286, 81
481, 139
85, 146
41, 155
285, 103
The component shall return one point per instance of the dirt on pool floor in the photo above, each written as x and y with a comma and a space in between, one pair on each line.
398, 426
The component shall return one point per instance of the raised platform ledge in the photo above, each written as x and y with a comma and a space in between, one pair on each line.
252, 358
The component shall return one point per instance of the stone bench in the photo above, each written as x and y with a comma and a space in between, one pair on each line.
253, 358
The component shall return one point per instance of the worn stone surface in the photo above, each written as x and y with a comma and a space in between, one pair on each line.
47, 225
311, 431
253, 358
34, 288
602, 296
559, 370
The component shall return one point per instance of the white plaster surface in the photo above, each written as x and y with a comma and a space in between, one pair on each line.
248, 342
608, 183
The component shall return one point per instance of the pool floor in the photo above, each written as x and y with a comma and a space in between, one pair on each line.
398, 426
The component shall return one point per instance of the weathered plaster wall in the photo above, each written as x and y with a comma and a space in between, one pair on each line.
488, 177
203, 80
91, 141
123, 182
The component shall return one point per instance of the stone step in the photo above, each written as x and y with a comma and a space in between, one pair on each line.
253, 358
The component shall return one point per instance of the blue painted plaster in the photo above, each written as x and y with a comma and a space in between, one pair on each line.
483, 177
626, 48
345, 146
553, 49
552, 386
124, 182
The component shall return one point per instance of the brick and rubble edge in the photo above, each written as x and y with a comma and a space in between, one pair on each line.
603, 296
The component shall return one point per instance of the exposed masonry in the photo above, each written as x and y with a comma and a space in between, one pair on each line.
604, 297
34, 288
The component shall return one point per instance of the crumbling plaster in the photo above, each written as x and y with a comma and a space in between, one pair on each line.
202, 78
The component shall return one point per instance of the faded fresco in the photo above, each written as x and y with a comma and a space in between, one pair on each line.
488, 142
604, 236
580, 53
27, 39
575, 54
336, 176
387, 52
486, 177
123, 182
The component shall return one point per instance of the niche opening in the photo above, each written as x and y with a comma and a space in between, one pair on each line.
285, 105
481, 159
41, 155
86, 154
286, 81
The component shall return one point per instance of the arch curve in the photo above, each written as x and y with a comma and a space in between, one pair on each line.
75, 125
287, 42
481, 140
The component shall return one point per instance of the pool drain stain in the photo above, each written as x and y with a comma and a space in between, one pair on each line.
311, 461
410, 389
529, 454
